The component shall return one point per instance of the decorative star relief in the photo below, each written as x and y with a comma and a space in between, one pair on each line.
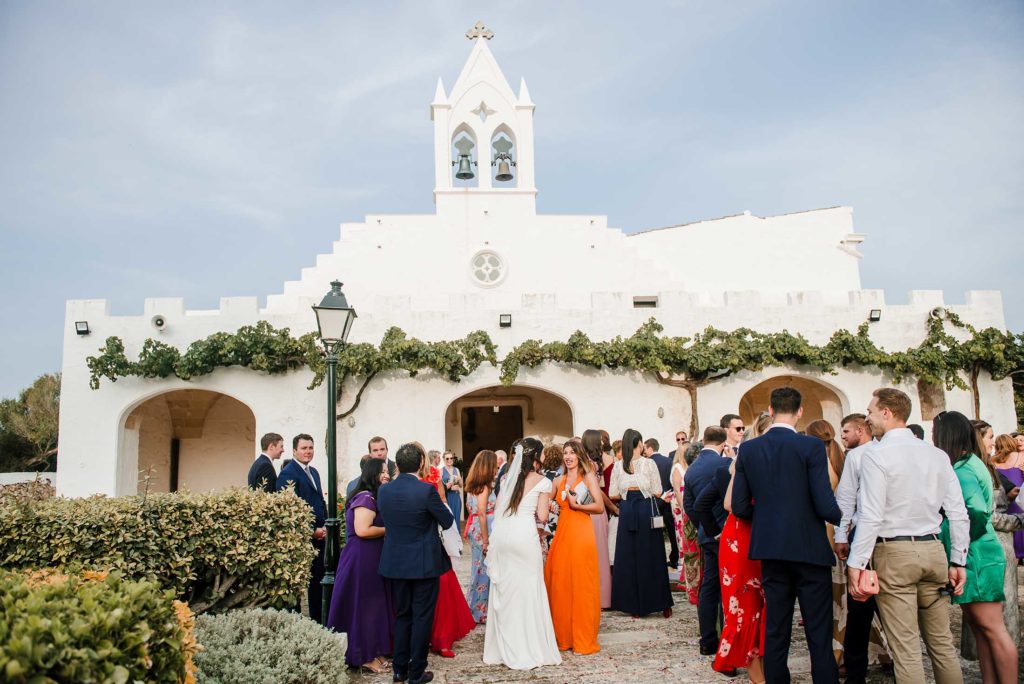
479, 31
483, 111
464, 145
502, 146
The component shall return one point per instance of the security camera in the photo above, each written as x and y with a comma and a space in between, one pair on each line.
938, 312
159, 322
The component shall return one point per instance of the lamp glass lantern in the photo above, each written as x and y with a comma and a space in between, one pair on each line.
334, 316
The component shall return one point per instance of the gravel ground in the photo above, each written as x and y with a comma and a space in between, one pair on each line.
649, 649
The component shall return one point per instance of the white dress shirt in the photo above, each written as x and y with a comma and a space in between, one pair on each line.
904, 482
846, 492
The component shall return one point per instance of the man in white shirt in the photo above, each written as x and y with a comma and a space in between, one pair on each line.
904, 484
856, 436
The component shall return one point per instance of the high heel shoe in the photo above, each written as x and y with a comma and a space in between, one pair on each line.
667, 612
369, 668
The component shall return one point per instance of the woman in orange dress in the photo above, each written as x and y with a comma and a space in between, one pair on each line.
571, 573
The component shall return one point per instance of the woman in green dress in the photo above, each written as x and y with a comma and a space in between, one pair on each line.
982, 598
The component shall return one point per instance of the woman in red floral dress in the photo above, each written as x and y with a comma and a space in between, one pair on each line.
452, 617
742, 643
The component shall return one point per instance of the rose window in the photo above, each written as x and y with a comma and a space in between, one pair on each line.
487, 268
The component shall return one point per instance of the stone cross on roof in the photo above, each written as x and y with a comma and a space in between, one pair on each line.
479, 31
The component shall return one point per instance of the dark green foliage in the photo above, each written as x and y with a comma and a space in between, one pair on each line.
101, 629
216, 551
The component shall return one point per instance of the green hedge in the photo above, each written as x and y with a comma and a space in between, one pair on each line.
218, 550
94, 628
267, 647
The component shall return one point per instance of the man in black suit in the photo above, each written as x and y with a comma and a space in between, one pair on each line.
782, 485
304, 481
261, 473
664, 464
682, 441
414, 560
734, 429
710, 503
378, 448
502, 469
698, 476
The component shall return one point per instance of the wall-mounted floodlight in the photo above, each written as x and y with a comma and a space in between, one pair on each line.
505, 320
82, 327
875, 315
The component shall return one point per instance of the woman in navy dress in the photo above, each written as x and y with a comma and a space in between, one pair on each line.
451, 478
361, 602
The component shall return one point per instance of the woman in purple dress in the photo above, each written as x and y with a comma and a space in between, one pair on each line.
361, 602
1007, 464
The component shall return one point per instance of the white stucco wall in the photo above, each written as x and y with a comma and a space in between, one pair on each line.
796, 272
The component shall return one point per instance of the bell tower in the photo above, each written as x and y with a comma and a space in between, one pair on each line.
483, 131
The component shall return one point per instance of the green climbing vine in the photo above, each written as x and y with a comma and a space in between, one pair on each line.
690, 363
942, 357
262, 347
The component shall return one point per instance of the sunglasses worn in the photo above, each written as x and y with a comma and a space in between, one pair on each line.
739, 429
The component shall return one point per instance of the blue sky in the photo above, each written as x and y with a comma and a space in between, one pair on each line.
211, 149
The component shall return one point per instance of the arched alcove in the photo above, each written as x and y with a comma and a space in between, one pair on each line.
819, 400
503, 141
464, 142
494, 417
186, 439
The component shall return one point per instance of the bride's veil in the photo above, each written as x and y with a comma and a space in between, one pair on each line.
511, 476
493, 559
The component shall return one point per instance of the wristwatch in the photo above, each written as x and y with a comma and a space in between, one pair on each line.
956, 565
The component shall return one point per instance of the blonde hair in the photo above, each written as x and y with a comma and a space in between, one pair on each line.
823, 430
1005, 445
761, 425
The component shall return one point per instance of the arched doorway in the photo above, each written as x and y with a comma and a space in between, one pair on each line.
819, 400
494, 417
186, 439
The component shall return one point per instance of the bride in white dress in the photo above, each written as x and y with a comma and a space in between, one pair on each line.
519, 631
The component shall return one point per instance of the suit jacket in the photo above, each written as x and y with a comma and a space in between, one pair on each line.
411, 511
664, 464
310, 492
782, 486
262, 474
697, 477
710, 503
501, 473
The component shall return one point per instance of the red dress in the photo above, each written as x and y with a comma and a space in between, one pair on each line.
452, 618
742, 599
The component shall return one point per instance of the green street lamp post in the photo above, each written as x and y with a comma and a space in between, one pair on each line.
334, 319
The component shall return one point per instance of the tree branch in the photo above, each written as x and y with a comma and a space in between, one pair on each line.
359, 396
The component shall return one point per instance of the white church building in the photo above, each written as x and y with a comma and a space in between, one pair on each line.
485, 259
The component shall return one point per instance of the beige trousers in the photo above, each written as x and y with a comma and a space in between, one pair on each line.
910, 575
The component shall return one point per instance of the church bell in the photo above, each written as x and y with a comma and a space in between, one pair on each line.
465, 171
504, 172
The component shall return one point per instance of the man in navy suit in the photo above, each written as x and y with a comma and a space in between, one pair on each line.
782, 485
664, 464
261, 473
305, 481
698, 476
413, 559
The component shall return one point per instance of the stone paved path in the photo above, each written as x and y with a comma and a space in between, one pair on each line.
652, 649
